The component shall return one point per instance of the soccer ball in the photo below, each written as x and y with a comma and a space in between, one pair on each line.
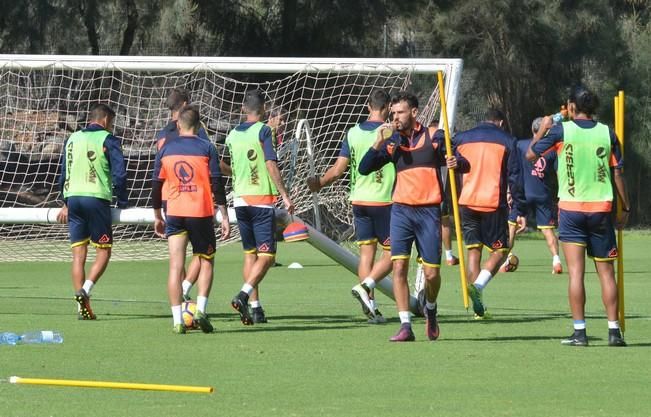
513, 263
188, 310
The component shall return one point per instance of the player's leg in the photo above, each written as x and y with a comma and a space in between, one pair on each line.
505, 267
402, 238
602, 247
177, 242
428, 235
547, 219
190, 276
573, 234
260, 229
202, 238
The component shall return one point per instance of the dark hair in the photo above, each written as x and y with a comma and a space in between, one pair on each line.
585, 100
189, 118
177, 98
494, 115
100, 110
277, 110
411, 99
254, 102
434, 122
379, 99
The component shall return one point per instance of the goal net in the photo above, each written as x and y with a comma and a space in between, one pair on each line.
43, 99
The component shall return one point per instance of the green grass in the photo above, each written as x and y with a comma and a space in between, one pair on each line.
316, 356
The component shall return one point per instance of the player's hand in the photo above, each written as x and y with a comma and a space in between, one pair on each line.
226, 228
159, 227
62, 217
509, 199
386, 131
451, 161
621, 220
521, 221
289, 205
546, 124
313, 184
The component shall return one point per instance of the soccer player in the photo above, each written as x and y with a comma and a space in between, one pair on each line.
92, 170
538, 181
589, 162
191, 167
417, 153
256, 181
177, 99
494, 167
370, 196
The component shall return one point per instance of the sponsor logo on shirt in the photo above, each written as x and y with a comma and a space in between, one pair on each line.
569, 163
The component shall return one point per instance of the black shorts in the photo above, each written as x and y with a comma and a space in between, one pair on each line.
372, 225
200, 231
89, 220
487, 228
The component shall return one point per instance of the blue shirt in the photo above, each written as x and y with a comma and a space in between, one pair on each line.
171, 130
538, 176
115, 157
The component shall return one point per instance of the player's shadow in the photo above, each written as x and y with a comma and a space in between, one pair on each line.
270, 327
504, 338
496, 318
313, 318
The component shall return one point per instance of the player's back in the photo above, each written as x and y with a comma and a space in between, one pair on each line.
487, 148
538, 176
171, 131
187, 164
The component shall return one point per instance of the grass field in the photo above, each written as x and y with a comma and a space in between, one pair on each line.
317, 356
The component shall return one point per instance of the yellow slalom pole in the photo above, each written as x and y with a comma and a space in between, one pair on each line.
619, 130
455, 200
105, 384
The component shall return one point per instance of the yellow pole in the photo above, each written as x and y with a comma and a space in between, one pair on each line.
105, 384
619, 130
453, 187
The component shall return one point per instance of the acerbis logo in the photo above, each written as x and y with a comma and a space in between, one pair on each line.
184, 172
264, 248
104, 239
497, 244
569, 163
539, 168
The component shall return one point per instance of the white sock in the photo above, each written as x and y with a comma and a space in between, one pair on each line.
369, 282
373, 306
405, 318
579, 324
613, 324
448, 254
482, 279
88, 286
255, 304
187, 286
556, 260
176, 315
247, 289
430, 306
201, 303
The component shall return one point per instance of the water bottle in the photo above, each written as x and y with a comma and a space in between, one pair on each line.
560, 116
45, 336
8, 338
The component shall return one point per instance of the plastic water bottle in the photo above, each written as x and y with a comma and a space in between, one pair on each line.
8, 338
560, 116
45, 336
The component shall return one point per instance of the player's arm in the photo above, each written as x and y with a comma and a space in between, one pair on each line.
118, 169
334, 172
158, 177
617, 162
456, 161
379, 154
270, 159
516, 186
225, 163
62, 217
544, 139
218, 191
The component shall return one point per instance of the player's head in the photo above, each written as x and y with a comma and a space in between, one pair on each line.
378, 103
176, 100
496, 117
277, 117
404, 109
189, 121
102, 114
254, 104
434, 124
582, 100
535, 125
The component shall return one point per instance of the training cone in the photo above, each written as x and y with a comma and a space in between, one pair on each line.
295, 232
295, 265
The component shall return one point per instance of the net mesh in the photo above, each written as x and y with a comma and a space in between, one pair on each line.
39, 109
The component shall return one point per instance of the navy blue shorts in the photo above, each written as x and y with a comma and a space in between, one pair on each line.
89, 219
200, 231
595, 231
546, 214
421, 224
372, 225
487, 228
257, 225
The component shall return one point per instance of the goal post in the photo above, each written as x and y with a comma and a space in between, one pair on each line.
44, 98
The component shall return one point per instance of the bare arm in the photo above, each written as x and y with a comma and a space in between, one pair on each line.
225, 168
274, 173
622, 192
545, 125
332, 174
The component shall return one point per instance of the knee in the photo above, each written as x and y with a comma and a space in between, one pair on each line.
400, 269
431, 274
